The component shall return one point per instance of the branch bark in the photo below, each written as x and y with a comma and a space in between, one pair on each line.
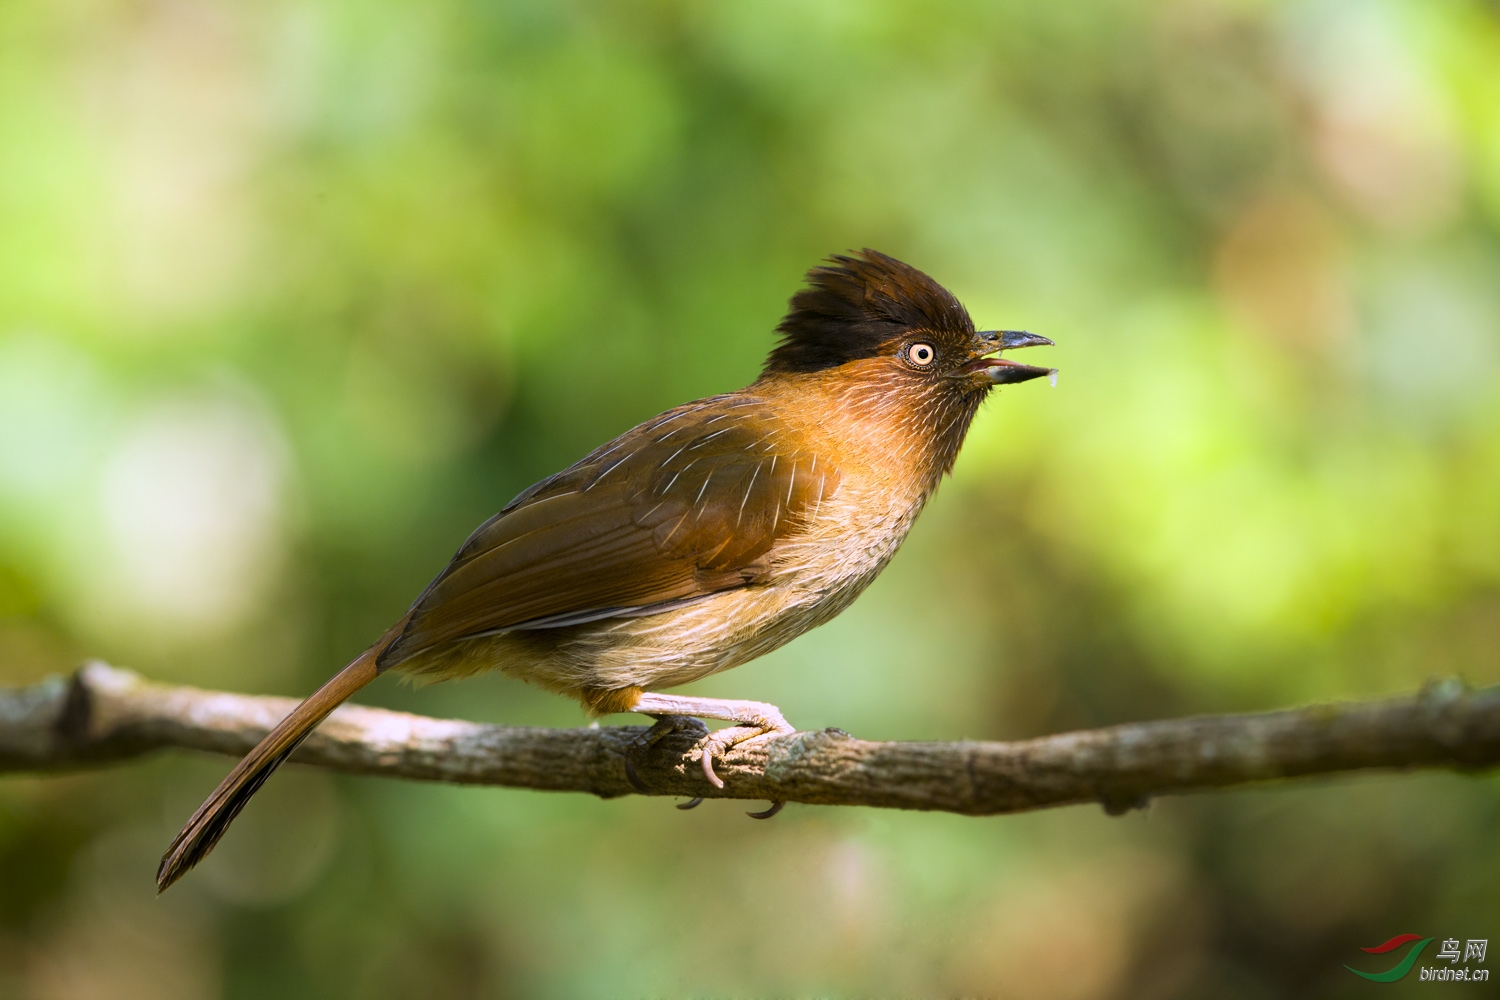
103, 714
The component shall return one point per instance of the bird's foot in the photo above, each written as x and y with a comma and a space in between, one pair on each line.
766, 726
666, 725
753, 721
748, 732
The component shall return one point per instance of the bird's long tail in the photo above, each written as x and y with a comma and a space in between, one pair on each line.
213, 817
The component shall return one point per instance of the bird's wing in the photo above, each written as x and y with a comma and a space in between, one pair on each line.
683, 506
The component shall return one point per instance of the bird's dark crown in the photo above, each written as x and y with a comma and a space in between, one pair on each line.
856, 306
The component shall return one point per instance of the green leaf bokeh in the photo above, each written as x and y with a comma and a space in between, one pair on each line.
295, 294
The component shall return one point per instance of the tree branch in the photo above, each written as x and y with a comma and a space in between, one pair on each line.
103, 714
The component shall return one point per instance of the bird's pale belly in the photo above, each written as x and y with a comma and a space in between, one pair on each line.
817, 576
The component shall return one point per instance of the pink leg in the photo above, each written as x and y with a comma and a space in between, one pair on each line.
754, 720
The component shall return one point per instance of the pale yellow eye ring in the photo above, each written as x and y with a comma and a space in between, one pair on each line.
921, 355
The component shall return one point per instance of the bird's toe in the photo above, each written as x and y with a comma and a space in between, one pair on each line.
638, 749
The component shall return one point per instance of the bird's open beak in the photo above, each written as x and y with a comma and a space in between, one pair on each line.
1002, 371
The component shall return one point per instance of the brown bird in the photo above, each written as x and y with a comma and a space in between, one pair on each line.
703, 538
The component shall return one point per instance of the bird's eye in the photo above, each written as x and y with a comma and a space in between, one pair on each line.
920, 355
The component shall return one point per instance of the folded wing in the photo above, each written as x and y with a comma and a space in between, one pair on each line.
686, 505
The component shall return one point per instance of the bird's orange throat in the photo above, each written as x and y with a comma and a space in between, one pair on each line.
873, 419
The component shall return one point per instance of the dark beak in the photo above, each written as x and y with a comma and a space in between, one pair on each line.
1009, 340
1002, 371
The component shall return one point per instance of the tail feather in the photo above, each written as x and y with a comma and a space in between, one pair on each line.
213, 817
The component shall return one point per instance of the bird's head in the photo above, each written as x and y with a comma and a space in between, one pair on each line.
869, 322
884, 316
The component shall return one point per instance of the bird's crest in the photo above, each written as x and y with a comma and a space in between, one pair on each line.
855, 305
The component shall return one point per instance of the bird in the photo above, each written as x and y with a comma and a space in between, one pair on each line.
701, 539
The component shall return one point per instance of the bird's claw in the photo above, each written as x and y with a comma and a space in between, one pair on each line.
633, 778
776, 807
665, 726
720, 742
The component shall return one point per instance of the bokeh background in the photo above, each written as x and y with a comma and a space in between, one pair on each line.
293, 294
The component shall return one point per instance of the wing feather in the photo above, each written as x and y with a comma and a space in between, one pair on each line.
672, 511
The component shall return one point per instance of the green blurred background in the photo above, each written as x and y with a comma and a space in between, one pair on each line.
294, 294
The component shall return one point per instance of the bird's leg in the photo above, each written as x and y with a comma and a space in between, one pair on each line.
753, 720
